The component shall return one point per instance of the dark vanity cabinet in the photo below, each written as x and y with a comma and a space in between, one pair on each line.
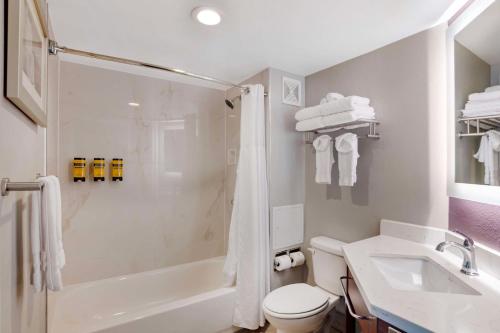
359, 320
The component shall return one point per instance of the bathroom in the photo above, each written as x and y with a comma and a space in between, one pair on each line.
224, 166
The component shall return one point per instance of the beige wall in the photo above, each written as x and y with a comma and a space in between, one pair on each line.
169, 209
402, 176
22, 156
472, 75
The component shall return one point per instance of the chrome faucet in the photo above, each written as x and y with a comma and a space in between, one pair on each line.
468, 250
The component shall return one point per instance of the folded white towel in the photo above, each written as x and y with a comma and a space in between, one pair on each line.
333, 96
53, 257
324, 159
347, 148
494, 88
472, 114
476, 110
35, 237
485, 96
494, 103
336, 106
335, 119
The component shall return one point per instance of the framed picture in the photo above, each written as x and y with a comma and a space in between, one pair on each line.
27, 53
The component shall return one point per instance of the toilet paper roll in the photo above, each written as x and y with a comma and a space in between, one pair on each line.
298, 258
282, 262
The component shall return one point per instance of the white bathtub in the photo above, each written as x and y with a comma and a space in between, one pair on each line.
181, 299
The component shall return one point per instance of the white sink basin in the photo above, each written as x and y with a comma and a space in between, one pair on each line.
419, 274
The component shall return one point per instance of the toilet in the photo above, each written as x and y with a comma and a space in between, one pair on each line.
302, 308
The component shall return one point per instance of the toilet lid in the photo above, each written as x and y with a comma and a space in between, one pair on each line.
294, 299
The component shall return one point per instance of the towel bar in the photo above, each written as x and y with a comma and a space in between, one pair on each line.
371, 124
7, 186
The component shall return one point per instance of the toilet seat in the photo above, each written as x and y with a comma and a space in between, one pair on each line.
294, 301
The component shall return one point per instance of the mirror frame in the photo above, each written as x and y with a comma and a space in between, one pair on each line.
480, 193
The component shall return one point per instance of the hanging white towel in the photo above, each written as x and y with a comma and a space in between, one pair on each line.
488, 154
53, 257
247, 260
324, 159
347, 148
35, 237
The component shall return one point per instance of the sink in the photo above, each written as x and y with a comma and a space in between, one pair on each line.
419, 274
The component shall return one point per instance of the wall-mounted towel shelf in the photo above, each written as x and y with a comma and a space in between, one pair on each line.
371, 124
7, 186
477, 126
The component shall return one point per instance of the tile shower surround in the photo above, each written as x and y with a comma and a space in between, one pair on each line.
169, 209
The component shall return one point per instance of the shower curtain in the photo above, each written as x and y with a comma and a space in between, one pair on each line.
247, 261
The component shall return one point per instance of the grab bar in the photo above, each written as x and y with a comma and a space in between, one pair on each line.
348, 302
7, 186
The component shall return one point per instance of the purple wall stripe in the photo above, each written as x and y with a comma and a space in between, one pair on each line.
478, 220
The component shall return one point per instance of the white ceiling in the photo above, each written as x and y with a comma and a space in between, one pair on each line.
299, 36
481, 36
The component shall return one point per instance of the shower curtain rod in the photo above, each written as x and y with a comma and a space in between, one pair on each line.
54, 48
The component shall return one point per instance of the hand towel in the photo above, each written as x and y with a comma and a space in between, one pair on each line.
336, 106
485, 96
335, 119
488, 154
347, 148
35, 235
53, 257
324, 159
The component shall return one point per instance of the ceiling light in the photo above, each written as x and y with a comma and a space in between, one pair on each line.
134, 104
206, 15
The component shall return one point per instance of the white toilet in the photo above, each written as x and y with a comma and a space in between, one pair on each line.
301, 308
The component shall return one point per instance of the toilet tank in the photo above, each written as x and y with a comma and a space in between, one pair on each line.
328, 263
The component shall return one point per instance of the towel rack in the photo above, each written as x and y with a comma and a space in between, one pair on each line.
370, 123
474, 125
7, 186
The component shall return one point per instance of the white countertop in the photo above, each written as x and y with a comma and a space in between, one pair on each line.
417, 311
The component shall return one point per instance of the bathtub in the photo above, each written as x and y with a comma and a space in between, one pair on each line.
180, 299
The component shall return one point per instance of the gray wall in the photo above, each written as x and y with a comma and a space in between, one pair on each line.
22, 151
472, 75
285, 155
286, 160
495, 75
403, 175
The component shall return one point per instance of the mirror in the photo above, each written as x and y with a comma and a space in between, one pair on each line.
477, 99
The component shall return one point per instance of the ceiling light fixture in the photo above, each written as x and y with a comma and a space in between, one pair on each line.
134, 104
206, 15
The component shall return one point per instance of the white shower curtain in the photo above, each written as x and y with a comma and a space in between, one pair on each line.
247, 262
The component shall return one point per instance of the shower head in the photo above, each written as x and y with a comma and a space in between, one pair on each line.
229, 104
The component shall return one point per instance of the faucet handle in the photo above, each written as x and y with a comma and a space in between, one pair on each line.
468, 242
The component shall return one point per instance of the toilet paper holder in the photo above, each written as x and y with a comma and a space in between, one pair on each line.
282, 253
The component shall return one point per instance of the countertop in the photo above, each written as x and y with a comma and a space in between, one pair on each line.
417, 311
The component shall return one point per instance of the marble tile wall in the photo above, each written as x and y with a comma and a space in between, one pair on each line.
169, 209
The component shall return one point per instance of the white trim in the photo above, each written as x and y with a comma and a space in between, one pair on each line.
481, 193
